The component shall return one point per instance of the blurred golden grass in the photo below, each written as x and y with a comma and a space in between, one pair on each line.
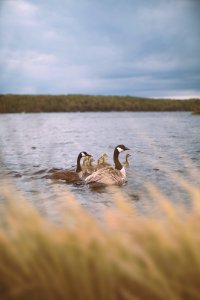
122, 256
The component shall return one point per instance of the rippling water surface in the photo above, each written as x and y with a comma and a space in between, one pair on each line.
162, 144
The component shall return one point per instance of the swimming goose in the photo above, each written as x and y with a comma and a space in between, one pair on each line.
110, 175
101, 162
70, 176
85, 164
90, 167
101, 159
104, 162
126, 163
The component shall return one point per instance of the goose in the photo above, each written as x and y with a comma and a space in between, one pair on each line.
90, 167
109, 175
70, 176
85, 164
101, 159
104, 162
126, 162
101, 162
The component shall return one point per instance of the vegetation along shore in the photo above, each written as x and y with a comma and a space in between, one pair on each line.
11, 103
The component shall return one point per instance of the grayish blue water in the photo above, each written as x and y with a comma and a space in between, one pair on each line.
162, 144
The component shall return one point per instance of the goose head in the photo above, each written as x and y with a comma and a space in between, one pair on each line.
80, 156
85, 154
121, 148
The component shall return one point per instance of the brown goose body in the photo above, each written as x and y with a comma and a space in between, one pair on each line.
70, 176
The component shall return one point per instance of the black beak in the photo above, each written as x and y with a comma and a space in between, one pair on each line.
127, 148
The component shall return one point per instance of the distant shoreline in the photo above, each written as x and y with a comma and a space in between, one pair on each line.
10, 103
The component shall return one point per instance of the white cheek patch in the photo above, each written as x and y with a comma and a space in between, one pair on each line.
120, 149
83, 154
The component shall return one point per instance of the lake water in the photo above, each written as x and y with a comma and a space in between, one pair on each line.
162, 144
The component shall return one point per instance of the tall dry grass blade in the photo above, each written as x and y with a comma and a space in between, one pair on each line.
122, 256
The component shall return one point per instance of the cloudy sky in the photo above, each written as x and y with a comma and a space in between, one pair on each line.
147, 48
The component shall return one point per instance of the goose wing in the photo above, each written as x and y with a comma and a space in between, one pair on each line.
106, 175
67, 176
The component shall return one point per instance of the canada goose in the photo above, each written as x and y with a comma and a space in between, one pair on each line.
109, 175
101, 159
126, 163
70, 176
85, 164
101, 162
90, 167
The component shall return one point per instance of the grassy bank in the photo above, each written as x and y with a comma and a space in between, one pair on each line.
124, 257
73, 103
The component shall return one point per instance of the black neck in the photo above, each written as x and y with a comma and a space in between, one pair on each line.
78, 166
117, 163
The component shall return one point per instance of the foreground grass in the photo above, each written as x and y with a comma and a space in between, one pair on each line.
72, 103
123, 256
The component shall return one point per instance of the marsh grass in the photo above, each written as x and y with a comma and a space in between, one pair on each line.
121, 256
73, 103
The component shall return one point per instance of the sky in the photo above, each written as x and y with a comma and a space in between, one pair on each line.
145, 48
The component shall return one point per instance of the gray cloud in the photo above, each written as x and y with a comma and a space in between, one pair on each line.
143, 48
